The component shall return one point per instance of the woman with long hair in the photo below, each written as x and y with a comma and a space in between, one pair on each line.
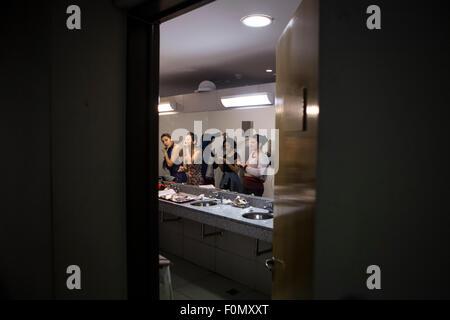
230, 168
192, 161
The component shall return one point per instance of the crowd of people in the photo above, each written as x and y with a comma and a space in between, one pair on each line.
186, 164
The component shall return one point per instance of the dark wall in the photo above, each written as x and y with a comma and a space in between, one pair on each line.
383, 161
25, 201
88, 123
62, 127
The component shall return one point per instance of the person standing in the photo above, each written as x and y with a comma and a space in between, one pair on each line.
171, 152
192, 161
255, 168
207, 167
230, 168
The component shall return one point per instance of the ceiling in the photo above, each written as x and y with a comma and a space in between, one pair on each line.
210, 43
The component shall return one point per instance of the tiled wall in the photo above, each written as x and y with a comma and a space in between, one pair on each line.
231, 255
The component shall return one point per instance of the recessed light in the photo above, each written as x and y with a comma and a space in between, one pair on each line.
257, 20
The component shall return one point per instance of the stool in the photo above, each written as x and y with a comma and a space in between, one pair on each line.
165, 279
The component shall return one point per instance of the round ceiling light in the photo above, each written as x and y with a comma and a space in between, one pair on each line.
257, 20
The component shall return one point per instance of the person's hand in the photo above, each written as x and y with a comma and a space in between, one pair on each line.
181, 169
164, 150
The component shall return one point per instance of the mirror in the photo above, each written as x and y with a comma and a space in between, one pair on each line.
211, 148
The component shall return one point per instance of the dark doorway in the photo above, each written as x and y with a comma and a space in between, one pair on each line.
141, 129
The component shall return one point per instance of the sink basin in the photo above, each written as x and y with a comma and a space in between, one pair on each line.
257, 215
256, 210
204, 203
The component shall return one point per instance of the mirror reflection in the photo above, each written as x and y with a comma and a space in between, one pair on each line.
233, 160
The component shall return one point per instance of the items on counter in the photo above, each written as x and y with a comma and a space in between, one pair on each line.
240, 202
180, 197
226, 201
166, 194
172, 195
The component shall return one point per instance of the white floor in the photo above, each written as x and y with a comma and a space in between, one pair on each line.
191, 282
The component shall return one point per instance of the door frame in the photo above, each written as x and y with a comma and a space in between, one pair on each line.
142, 142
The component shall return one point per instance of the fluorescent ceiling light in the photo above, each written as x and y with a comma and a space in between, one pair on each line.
247, 100
269, 70
165, 107
257, 20
167, 113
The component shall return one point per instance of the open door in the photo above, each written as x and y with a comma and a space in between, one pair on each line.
297, 107
142, 138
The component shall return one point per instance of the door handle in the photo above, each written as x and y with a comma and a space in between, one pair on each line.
270, 263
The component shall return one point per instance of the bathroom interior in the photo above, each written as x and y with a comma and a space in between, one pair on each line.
82, 150
218, 80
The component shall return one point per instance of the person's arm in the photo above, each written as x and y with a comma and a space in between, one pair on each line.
255, 172
175, 155
167, 159
260, 170
233, 167
197, 157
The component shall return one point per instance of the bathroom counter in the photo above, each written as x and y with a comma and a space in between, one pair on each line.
223, 216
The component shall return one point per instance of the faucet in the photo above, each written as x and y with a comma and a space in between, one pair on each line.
269, 206
215, 194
